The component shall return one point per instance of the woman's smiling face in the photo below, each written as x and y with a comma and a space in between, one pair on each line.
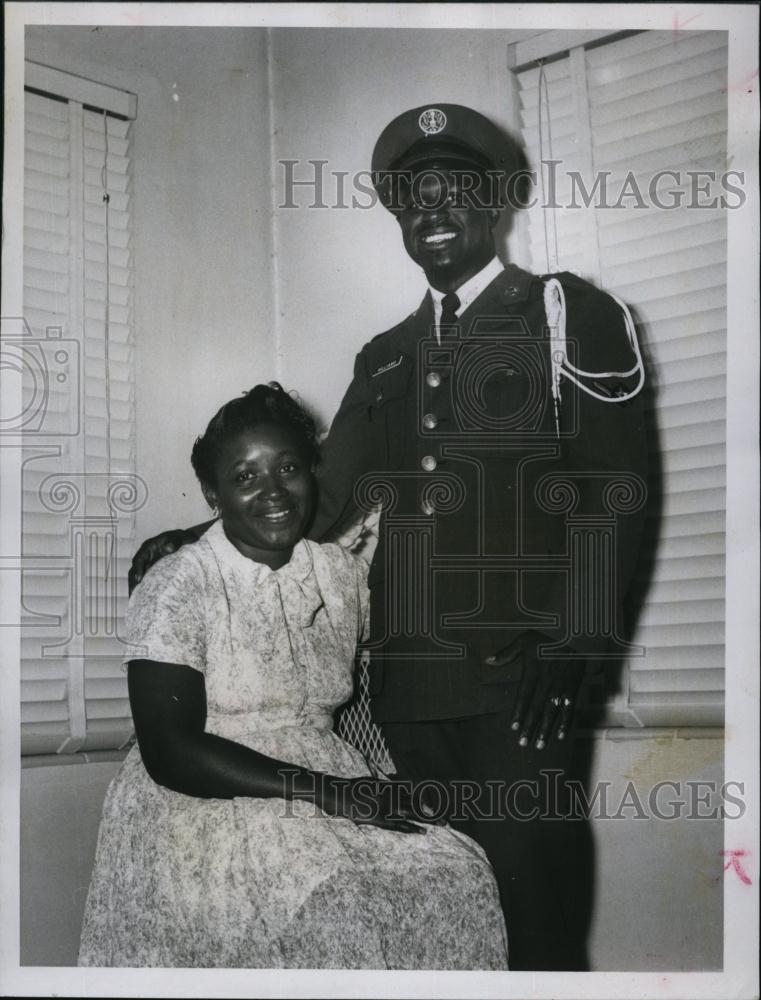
265, 492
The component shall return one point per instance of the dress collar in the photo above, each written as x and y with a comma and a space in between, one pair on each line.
295, 584
298, 568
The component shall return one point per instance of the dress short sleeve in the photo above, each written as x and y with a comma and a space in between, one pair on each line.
357, 568
361, 569
166, 616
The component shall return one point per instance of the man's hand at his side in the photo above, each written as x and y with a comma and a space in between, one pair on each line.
547, 691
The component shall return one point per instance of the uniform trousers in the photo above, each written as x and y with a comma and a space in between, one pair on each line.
514, 801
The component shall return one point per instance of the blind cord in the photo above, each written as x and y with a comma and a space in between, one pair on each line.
109, 554
544, 95
107, 318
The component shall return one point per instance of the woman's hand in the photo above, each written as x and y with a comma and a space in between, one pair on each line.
386, 803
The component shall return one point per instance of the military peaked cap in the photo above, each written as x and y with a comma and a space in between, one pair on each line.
441, 133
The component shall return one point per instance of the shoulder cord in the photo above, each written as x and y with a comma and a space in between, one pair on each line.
554, 307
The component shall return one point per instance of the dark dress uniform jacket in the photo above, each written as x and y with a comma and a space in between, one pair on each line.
501, 512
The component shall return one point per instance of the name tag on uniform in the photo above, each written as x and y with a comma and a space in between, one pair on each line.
388, 367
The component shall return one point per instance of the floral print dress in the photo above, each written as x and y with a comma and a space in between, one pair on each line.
181, 881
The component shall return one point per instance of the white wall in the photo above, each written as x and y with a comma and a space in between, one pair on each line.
202, 231
229, 289
658, 902
342, 274
60, 815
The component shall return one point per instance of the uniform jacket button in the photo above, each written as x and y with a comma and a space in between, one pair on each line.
433, 379
429, 463
429, 421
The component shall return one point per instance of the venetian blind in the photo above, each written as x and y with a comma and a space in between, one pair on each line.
80, 491
626, 111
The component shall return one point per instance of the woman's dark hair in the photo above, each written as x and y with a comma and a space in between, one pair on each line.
264, 404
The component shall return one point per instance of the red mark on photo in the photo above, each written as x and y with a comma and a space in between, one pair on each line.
745, 84
677, 24
735, 861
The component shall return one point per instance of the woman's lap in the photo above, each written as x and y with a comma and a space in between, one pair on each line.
182, 881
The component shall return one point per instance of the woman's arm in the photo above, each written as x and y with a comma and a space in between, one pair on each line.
168, 703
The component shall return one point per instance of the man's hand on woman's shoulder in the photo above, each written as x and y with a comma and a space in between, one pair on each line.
159, 546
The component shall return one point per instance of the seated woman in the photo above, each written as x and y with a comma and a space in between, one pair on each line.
241, 831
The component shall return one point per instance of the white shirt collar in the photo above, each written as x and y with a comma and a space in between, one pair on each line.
469, 292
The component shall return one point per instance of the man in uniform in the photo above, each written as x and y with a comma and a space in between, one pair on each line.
499, 428
512, 487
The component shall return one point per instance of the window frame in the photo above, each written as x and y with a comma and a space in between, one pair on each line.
88, 491
639, 697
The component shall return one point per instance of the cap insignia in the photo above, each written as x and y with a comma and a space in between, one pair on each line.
432, 121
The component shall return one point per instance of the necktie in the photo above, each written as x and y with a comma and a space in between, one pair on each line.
449, 306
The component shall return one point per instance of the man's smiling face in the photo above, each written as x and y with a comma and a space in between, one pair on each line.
443, 230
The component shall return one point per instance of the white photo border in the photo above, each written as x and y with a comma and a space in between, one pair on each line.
742, 642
